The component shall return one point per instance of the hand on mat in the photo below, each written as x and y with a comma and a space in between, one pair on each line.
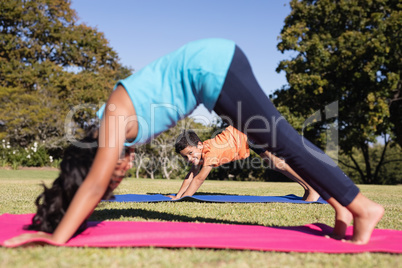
24, 238
173, 197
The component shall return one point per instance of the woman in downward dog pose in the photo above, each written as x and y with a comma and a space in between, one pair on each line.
214, 72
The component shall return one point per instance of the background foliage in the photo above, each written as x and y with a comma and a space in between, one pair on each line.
48, 65
346, 51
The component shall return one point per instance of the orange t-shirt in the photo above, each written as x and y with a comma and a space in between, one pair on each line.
228, 146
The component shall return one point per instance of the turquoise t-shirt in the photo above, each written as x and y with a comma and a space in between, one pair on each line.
172, 86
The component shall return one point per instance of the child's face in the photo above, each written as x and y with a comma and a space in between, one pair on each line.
192, 154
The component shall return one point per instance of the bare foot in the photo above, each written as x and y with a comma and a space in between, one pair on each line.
343, 218
365, 222
310, 195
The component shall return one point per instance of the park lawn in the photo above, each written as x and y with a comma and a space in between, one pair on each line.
19, 188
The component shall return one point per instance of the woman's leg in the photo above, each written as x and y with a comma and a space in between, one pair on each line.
243, 103
366, 215
343, 218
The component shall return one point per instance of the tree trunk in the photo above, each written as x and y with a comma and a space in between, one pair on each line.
357, 167
365, 150
137, 172
381, 162
395, 108
165, 171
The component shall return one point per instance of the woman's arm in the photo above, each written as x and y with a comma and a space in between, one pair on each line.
112, 135
88, 195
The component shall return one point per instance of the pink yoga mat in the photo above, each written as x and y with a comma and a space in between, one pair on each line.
308, 238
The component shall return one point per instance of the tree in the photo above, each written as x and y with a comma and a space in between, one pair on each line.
388, 173
49, 64
346, 51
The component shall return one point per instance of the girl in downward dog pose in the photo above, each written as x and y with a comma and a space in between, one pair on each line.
214, 72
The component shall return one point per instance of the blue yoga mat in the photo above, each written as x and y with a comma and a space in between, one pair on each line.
215, 199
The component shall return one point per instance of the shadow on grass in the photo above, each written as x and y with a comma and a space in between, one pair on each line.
115, 214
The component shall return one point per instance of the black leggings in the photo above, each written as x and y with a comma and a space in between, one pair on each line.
245, 106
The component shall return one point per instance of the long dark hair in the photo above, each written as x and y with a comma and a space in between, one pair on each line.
52, 204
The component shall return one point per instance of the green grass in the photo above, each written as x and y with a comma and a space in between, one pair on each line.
19, 188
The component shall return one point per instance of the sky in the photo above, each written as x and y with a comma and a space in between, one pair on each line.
141, 31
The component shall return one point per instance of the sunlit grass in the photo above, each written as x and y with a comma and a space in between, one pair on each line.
18, 190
